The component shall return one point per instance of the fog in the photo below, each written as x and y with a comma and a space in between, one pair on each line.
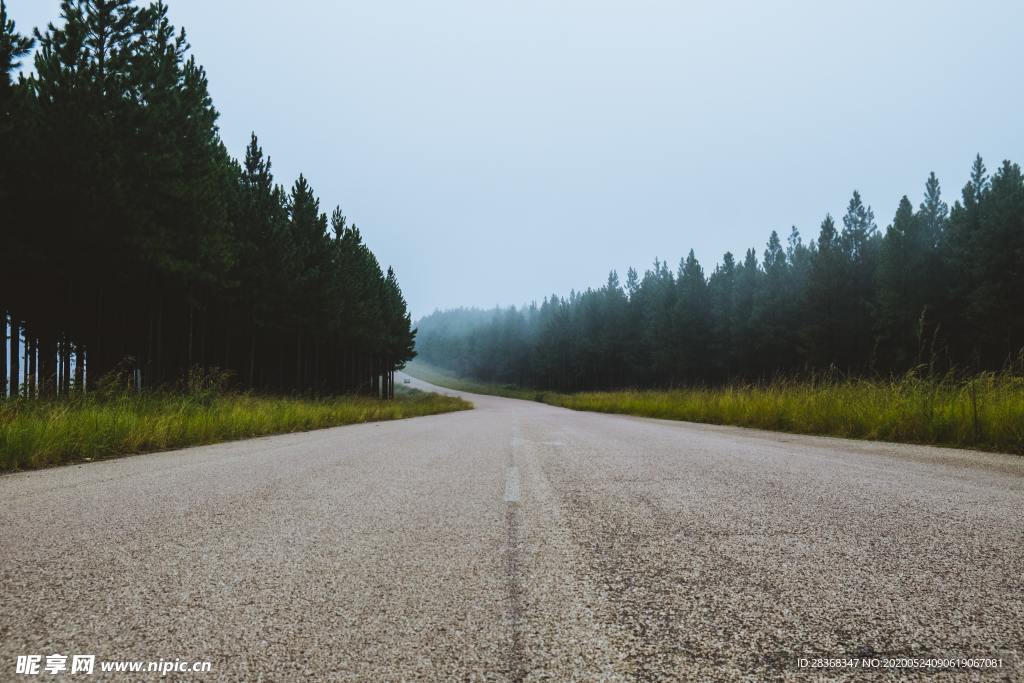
496, 154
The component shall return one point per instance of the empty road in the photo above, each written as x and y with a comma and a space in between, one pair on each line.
520, 542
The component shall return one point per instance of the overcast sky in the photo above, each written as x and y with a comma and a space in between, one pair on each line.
494, 153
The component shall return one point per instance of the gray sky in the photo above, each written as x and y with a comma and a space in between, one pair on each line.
494, 153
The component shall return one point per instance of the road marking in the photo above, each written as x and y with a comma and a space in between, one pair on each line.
512, 485
519, 442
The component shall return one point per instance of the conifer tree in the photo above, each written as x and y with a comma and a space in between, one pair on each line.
692, 319
746, 338
158, 252
853, 301
933, 212
902, 282
722, 295
13, 47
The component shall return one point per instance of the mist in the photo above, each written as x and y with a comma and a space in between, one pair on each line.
496, 155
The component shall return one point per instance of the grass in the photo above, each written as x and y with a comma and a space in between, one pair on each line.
985, 412
43, 433
449, 380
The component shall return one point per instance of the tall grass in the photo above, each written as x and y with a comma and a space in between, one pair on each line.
40, 433
984, 412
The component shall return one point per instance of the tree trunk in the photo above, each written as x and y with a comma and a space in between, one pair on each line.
316, 366
298, 361
147, 365
15, 356
79, 369
31, 381
58, 365
65, 368
280, 367
227, 349
3, 354
252, 360
47, 367
204, 323
97, 341
160, 344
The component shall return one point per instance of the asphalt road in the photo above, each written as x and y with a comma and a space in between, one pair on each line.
520, 542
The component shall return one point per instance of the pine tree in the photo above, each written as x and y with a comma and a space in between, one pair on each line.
746, 336
902, 281
933, 212
722, 295
825, 290
963, 264
859, 240
692, 322
13, 47
994, 309
158, 251
855, 301
659, 332
774, 312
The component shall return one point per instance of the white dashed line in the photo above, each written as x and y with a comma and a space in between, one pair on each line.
512, 485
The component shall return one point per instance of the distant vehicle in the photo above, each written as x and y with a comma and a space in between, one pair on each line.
407, 380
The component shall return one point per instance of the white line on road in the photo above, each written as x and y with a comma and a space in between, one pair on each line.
512, 485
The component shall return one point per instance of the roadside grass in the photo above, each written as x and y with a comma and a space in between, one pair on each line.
984, 412
38, 433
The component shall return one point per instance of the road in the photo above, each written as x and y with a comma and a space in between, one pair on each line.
520, 541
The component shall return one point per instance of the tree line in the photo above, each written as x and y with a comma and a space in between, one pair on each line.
940, 286
134, 244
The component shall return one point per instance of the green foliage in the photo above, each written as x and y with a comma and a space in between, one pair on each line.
13, 47
51, 432
138, 236
941, 287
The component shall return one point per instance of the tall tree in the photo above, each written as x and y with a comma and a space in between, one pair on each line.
692, 321
853, 300
933, 212
158, 253
903, 280
994, 309
774, 308
13, 48
963, 263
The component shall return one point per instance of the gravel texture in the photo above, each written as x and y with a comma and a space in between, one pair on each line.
637, 550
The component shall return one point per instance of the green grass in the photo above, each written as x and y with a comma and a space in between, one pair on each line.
42, 433
449, 380
985, 412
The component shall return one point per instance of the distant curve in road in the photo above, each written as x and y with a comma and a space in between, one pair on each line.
519, 541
